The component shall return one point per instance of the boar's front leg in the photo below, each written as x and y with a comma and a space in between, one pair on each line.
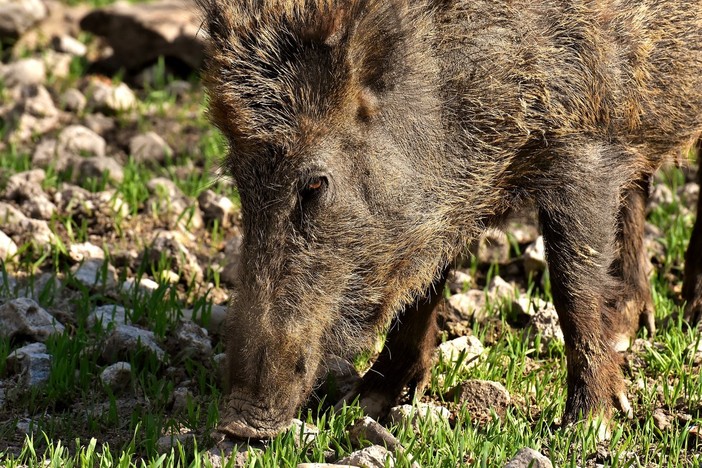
692, 285
406, 358
578, 209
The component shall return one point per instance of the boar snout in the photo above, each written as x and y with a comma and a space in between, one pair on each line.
266, 386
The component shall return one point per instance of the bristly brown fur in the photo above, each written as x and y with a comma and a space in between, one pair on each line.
421, 123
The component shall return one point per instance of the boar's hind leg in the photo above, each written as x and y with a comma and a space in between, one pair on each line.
631, 266
406, 358
692, 285
579, 219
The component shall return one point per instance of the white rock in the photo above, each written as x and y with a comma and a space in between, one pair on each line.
24, 72
374, 456
97, 166
106, 97
535, 257
529, 458
107, 316
469, 305
215, 207
17, 16
149, 148
501, 289
304, 433
545, 321
469, 347
144, 285
85, 251
25, 317
94, 273
32, 362
77, 141
8, 248
408, 414
69, 45
117, 377
126, 338
192, 341
459, 281
73, 100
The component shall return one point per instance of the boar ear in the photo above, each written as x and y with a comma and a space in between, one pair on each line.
378, 40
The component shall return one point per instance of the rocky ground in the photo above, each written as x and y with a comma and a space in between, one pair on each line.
119, 240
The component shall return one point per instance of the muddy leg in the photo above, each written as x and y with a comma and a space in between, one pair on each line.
692, 285
631, 266
406, 358
579, 219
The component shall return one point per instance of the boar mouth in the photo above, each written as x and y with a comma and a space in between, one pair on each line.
245, 419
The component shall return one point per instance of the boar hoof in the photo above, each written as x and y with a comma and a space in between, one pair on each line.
693, 312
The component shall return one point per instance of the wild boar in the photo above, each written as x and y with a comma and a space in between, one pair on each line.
371, 140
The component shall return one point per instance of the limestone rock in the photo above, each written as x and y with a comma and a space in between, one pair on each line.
24, 317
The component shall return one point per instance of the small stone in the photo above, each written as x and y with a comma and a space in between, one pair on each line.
76, 141
469, 348
17, 16
99, 166
45, 154
99, 123
124, 339
535, 257
32, 362
545, 321
34, 114
368, 429
69, 45
661, 420
172, 206
191, 341
215, 207
215, 317
501, 289
24, 317
459, 281
469, 305
481, 398
661, 195
493, 247
689, 194
73, 100
144, 285
95, 273
85, 251
167, 244
523, 233
107, 316
58, 64
149, 148
529, 458
179, 88
408, 414
374, 456
25, 229
117, 377
181, 396
168, 442
108, 98
24, 72
304, 433
8, 248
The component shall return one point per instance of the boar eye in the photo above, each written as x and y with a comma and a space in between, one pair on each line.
313, 187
